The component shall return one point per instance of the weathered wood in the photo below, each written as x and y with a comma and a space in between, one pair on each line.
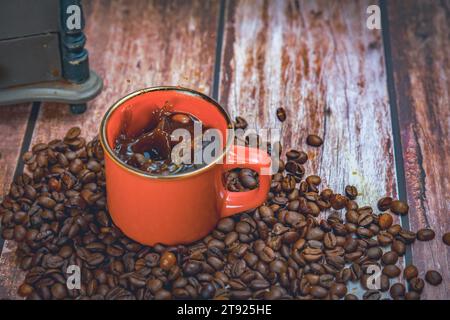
318, 60
13, 124
420, 58
132, 45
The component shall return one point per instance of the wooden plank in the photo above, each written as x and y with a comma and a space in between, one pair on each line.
318, 60
132, 44
13, 124
420, 59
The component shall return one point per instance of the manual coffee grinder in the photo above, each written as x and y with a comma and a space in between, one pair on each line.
42, 54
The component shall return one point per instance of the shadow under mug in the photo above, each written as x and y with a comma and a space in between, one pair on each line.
180, 208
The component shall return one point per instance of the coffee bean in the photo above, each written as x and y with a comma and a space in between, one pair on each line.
338, 201
397, 291
59, 291
73, 133
372, 295
425, 235
374, 253
314, 140
410, 272
351, 192
384, 283
392, 271
399, 247
350, 297
384, 203
25, 290
167, 261
412, 295
365, 219
298, 156
163, 294
446, 238
226, 225
281, 114
191, 268
338, 289
390, 257
240, 123
416, 284
329, 240
313, 180
433, 277
385, 221
407, 236
318, 292
243, 227
399, 207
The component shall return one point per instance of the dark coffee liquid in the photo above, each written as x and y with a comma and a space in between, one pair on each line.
150, 150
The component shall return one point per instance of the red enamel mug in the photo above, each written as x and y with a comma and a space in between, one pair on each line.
179, 208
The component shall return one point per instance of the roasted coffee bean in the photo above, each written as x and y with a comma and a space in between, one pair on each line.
338, 201
73, 133
350, 297
392, 271
329, 240
397, 291
399, 207
365, 219
407, 236
425, 235
412, 295
191, 268
374, 253
314, 140
384, 238
384, 283
351, 192
399, 247
390, 257
372, 295
313, 180
240, 123
416, 284
410, 272
281, 114
59, 291
298, 156
433, 277
167, 261
25, 290
385, 221
384, 203
446, 238
318, 292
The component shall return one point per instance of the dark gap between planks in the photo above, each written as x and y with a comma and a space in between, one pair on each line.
398, 153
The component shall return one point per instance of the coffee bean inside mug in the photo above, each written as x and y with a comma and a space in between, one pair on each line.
151, 149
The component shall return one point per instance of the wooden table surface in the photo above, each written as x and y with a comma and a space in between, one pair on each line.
379, 98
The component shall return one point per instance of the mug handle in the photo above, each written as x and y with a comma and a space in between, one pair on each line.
251, 158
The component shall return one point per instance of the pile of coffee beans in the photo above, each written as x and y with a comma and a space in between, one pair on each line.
56, 212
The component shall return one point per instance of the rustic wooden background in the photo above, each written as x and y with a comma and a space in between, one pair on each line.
380, 98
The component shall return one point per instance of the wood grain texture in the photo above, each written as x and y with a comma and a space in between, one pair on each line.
419, 35
318, 60
13, 124
132, 45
